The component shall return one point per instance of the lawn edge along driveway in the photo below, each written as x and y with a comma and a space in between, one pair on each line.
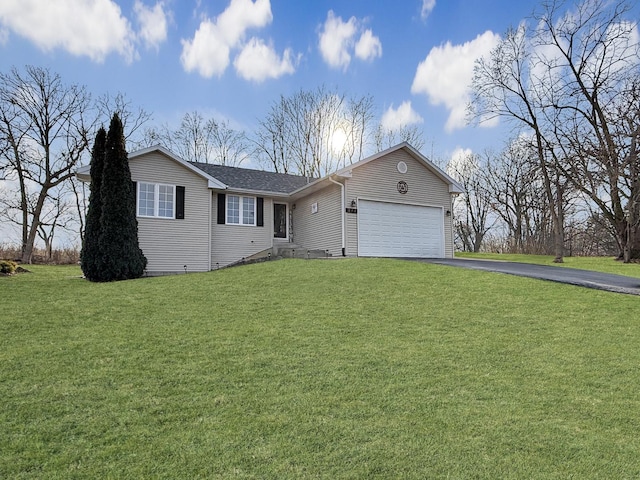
573, 276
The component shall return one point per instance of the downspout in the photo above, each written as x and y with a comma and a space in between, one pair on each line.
210, 226
342, 214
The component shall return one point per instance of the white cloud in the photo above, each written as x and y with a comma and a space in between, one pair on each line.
369, 46
92, 28
153, 23
427, 7
208, 51
258, 62
445, 75
395, 119
242, 15
337, 42
4, 35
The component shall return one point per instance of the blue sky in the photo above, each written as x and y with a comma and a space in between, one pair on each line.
233, 58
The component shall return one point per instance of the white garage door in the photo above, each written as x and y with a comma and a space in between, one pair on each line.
398, 230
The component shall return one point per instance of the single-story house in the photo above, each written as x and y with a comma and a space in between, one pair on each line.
199, 217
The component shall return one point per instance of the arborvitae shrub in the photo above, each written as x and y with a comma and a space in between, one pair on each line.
121, 254
91, 259
111, 250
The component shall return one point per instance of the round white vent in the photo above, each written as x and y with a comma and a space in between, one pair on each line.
402, 167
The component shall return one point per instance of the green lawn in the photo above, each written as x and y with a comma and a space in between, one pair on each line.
598, 264
357, 368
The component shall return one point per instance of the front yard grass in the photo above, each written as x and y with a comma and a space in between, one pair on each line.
358, 368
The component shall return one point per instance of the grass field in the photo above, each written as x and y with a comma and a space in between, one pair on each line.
358, 368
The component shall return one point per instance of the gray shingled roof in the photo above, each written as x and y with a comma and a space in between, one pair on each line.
247, 179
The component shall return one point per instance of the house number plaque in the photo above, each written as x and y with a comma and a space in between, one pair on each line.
403, 187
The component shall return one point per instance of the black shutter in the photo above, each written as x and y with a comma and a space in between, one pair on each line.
222, 214
180, 203
134, 185
260, 214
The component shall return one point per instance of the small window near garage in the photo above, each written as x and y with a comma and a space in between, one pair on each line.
156, 200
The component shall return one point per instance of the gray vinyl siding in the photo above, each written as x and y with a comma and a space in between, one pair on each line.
231, 243
378, 180
321, 230
170, 244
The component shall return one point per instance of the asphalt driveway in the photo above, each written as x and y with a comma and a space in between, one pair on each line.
573, 276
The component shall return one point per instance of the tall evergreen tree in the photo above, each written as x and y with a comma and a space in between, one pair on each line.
90, 256
123, 258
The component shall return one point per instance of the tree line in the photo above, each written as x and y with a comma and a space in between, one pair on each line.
569, 84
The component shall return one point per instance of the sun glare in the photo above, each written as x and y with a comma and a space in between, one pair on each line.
338, 141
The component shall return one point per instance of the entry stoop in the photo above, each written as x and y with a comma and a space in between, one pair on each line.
298, 252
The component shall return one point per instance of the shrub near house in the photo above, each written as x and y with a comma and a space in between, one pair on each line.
111, 251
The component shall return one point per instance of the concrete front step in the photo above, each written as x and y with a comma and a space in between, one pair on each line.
293, 252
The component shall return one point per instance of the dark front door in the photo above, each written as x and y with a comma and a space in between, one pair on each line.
279, 220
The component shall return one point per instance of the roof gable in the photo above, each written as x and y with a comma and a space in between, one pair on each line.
454, 186
212, 181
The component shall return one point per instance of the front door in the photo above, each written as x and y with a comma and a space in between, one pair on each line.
280, 220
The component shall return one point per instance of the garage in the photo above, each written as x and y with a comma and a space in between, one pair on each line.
399, 230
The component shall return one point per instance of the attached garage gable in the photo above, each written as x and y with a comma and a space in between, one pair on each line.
399, 230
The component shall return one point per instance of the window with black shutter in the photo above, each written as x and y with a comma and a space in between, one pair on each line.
222, 203
260, 212
180, 203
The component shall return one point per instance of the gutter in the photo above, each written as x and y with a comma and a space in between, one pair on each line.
342, 213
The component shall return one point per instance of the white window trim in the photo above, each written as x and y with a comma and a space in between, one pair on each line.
240, 216
156, 200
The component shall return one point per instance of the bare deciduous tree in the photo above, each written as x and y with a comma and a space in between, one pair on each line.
315, 132
571, 81
357, 127
230, 147
472, 209
133, 118
59, 214
272, 147
44, 127
202, 140
505, 84
411, 134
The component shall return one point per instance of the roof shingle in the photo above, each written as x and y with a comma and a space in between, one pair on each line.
248, 179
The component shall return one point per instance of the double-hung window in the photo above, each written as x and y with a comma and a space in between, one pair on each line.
241, 210
156, 200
